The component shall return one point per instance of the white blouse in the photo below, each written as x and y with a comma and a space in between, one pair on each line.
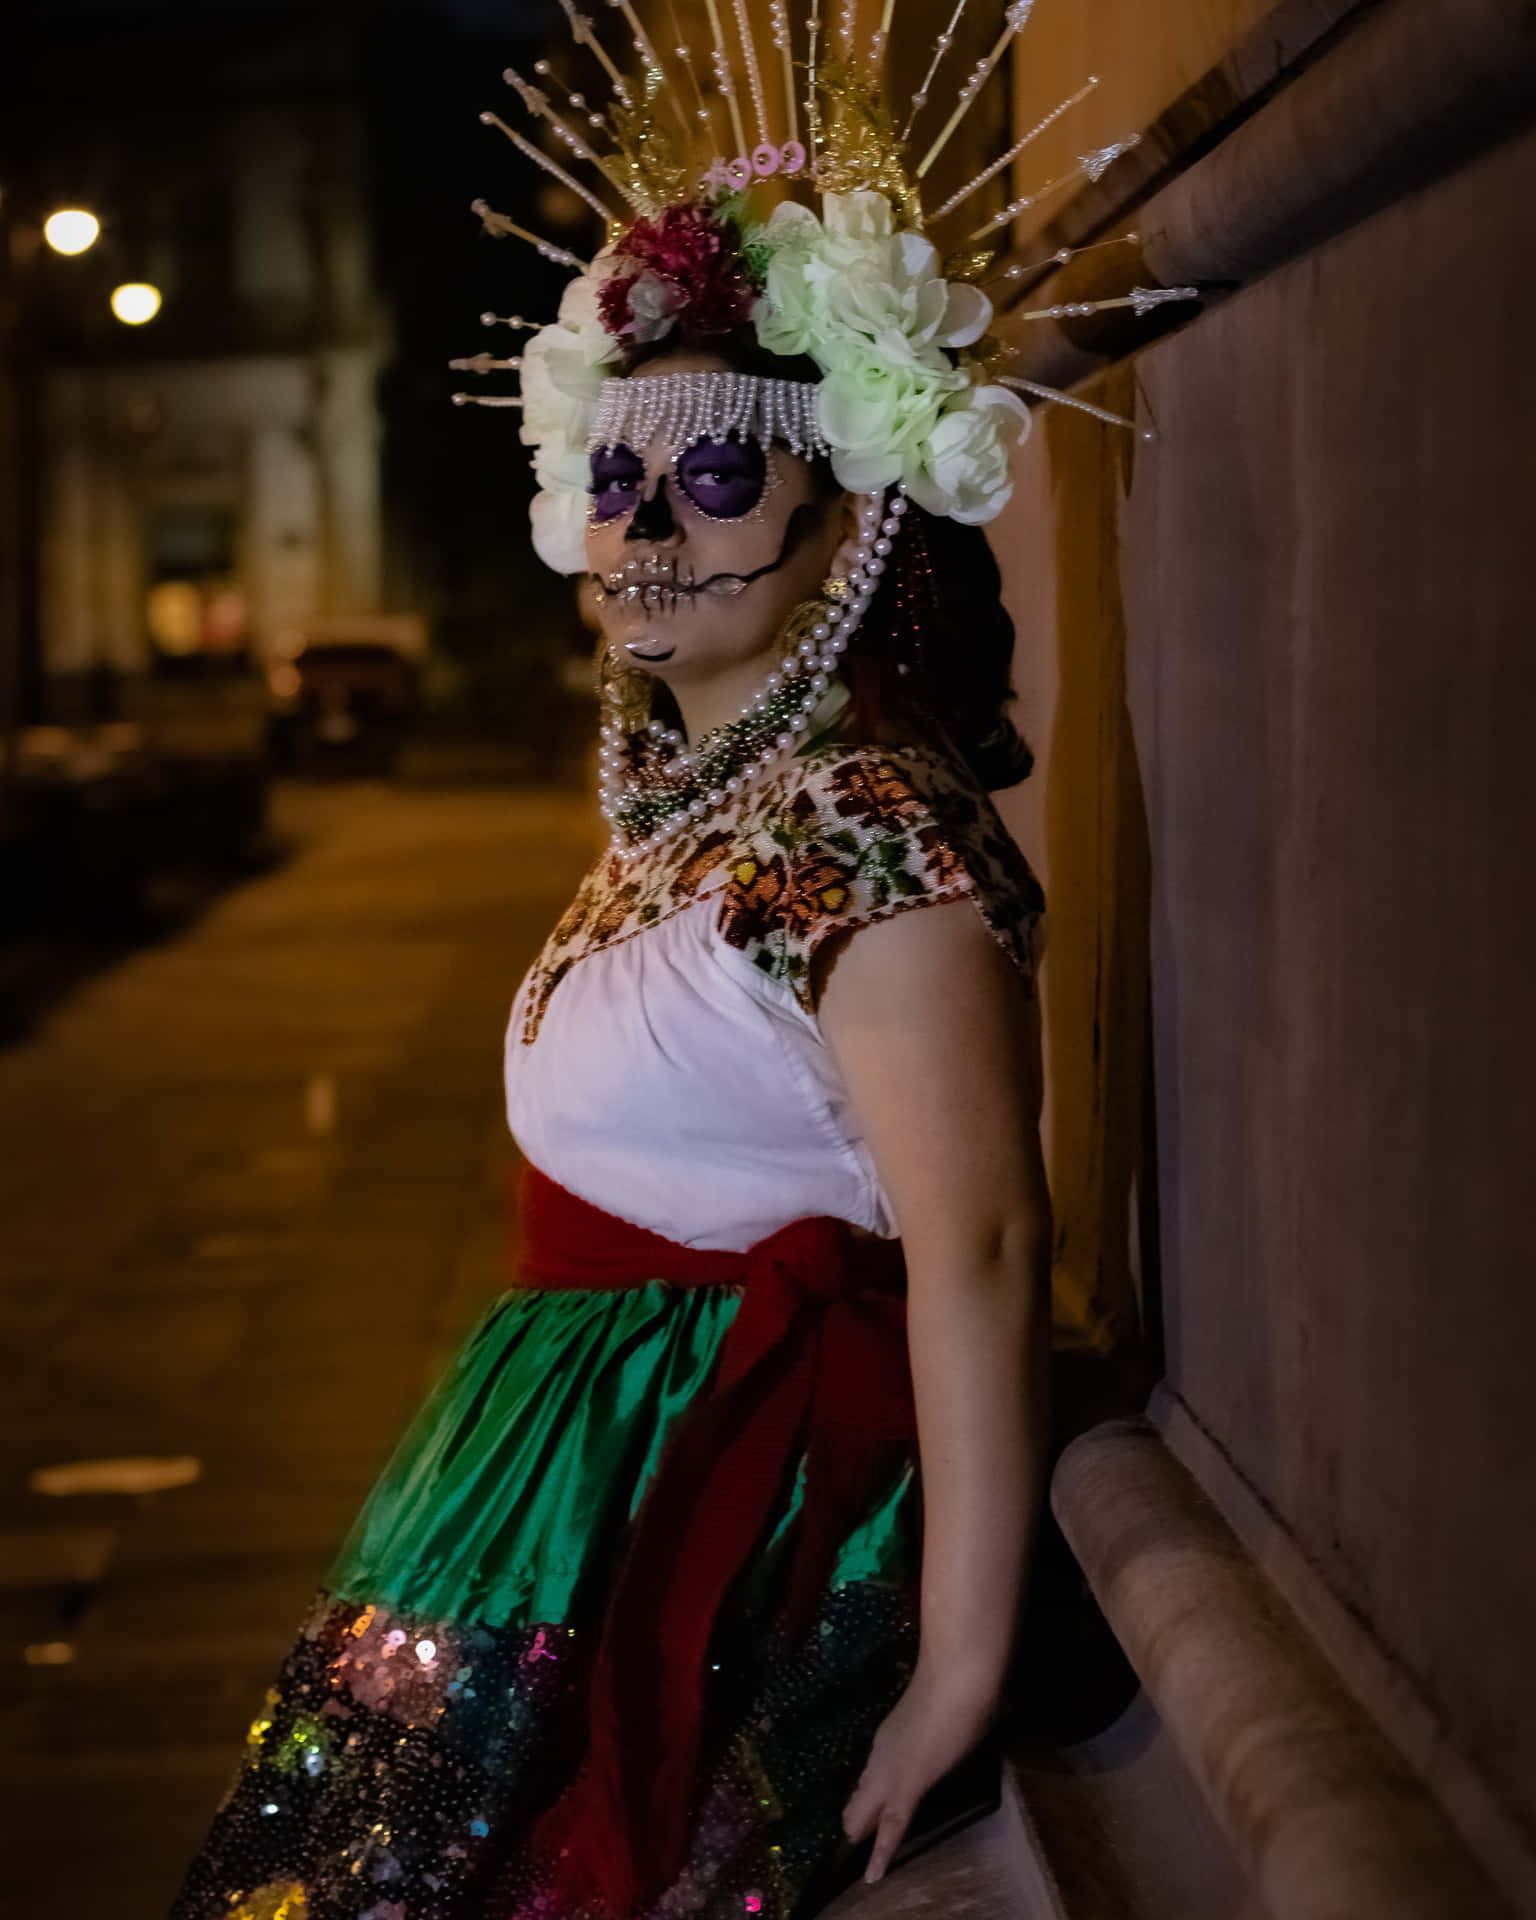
664, 1059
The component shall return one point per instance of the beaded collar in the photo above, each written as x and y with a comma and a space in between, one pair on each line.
652, 785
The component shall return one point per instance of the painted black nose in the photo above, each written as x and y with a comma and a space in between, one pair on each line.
652, 519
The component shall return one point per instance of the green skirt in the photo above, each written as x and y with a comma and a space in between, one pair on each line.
433, 1703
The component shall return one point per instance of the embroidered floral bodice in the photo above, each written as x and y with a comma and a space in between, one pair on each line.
664, 1059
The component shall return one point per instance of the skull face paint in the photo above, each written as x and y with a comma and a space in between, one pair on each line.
702, 545
618, 474
723, 479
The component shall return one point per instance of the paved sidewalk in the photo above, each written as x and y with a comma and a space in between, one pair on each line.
251, 1193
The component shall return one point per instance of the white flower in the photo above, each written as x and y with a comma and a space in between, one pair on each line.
853, 279
869, 302
962, 465
564, 366
559, 520
877, 413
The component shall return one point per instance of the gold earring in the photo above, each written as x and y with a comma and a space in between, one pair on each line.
835, 587
623, 691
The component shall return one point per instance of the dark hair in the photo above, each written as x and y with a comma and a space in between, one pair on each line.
933, 655
934, 651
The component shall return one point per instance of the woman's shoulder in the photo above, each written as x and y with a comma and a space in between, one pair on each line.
850, 833
883, 784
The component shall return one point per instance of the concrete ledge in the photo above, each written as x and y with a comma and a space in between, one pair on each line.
1413, 89
1389, 1692
1327, 1818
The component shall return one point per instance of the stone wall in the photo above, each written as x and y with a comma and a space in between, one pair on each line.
1277, 664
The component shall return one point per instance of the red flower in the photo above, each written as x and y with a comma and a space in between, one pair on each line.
698, 282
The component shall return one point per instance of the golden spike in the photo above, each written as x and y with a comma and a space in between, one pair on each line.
1069, 400
701, 110
487, 400
723, 75
537, 103
882, 35
485, 363
1017, 13
501, 226
1090, 166
650, 56
1023, 269
583, 35
778, 14
641, 38
579, 101
813, 83
942, 46
703, 115
1026, 201
552, 167
1014, 151
1143, 299
754, 76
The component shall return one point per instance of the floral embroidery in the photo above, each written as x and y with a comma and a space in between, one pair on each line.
838, 838
822, 889
874, 793
698, 865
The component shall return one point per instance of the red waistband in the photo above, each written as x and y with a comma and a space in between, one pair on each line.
567, 1243
815, 1362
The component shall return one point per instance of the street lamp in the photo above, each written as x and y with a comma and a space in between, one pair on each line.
71, 230
134, 302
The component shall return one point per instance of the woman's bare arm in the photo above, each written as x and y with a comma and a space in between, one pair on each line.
939, 1048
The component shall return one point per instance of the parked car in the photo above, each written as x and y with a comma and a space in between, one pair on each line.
344, 696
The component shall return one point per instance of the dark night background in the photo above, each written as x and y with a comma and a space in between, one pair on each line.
118, 107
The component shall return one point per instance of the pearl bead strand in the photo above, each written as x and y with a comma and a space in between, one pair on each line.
643, 815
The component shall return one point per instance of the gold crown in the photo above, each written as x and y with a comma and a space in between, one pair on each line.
677, 129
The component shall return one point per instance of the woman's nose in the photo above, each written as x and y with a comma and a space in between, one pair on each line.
653, 520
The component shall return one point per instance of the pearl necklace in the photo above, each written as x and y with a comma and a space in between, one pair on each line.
652, 785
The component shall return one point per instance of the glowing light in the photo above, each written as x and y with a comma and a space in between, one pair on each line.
50, 1653
71, 230
134, 302
135, 1473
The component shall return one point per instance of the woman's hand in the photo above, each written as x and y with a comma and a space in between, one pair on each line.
938, 1047
931, 1728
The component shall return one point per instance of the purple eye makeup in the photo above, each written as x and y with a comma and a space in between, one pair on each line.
617, 483
722, 479
725, 479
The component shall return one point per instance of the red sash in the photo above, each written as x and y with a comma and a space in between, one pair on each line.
815, 1362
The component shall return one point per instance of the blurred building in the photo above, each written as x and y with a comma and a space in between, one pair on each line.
209, 480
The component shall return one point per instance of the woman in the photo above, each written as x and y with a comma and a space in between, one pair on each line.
701, 1566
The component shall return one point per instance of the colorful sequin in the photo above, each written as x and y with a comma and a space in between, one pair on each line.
397, 1765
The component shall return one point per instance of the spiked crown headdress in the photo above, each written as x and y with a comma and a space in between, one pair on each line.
913, 391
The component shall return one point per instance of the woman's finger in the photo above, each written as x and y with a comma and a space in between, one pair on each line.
859, 1814
893, 1824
